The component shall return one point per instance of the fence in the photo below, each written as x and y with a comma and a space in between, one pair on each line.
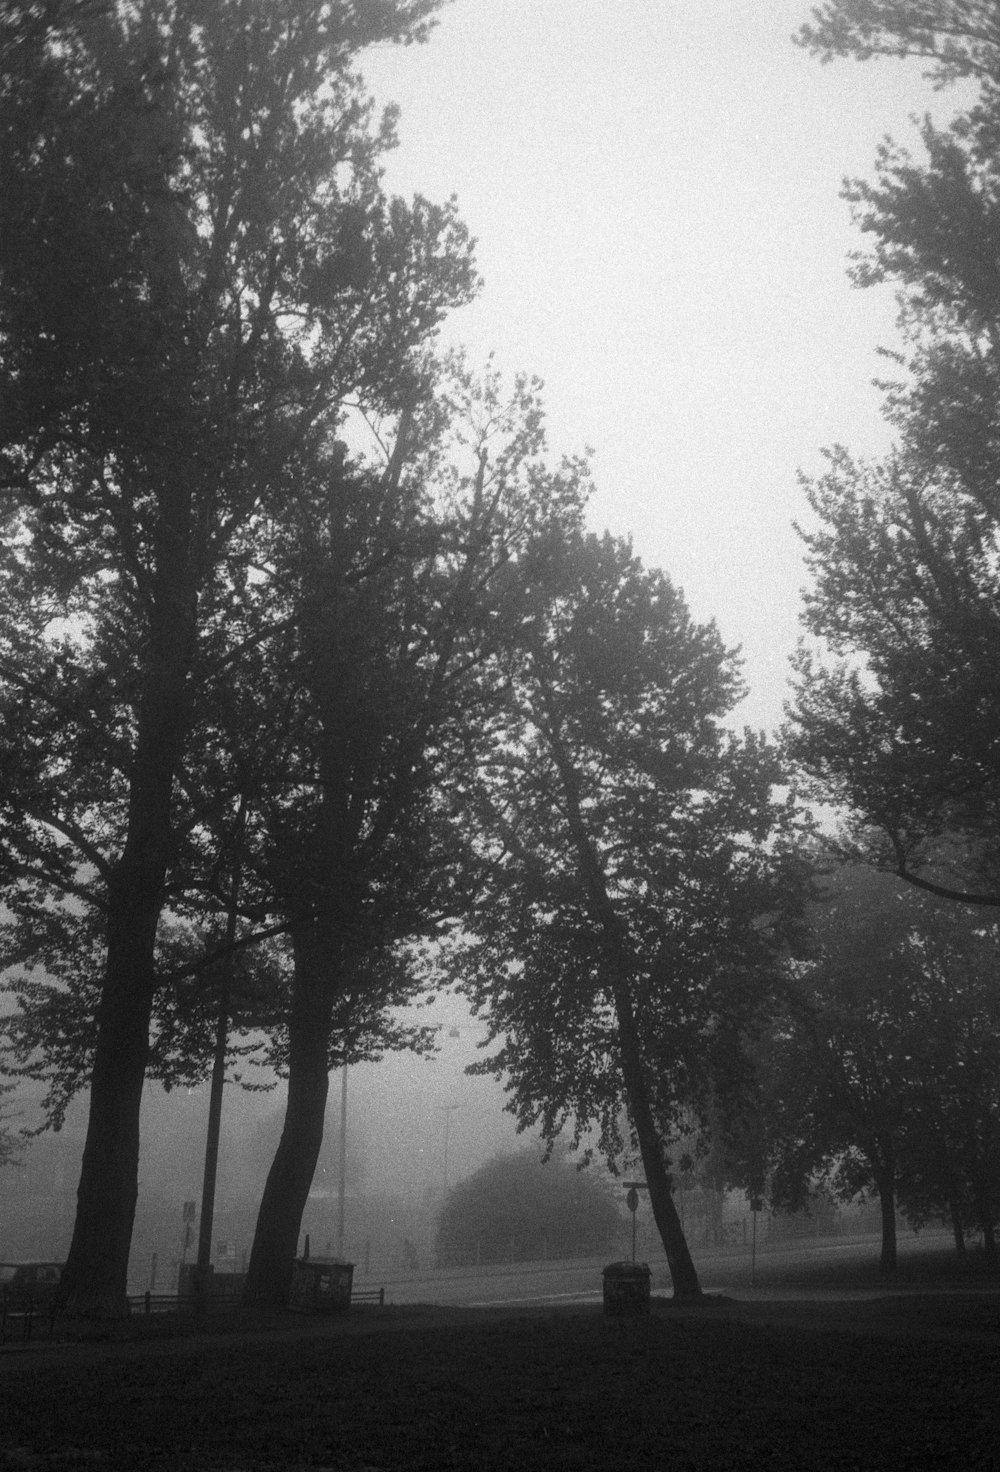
531, 1247
22, 1320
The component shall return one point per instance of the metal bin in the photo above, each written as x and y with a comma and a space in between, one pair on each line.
626, 1289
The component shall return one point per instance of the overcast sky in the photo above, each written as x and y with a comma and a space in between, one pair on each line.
654, 186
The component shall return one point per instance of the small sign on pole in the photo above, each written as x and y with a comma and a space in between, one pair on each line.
632, 1202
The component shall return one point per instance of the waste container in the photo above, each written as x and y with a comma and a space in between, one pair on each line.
626, 1288
321, 1285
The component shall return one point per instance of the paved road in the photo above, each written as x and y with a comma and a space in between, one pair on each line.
580, 1282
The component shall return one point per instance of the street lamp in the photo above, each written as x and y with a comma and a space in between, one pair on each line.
448, 1110
343, 1161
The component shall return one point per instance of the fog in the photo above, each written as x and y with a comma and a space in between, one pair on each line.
413, 1125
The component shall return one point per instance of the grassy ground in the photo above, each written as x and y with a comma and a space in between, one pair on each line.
904, 1382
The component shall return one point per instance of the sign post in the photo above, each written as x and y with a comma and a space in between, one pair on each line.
755, 1208
632, 1202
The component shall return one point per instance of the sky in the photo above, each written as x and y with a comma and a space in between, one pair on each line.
654, 188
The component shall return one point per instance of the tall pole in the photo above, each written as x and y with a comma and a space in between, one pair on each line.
449, 1110
343, 1162
207, 1219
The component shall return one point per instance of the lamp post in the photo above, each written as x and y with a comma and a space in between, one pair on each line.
343, 1162
203, 1272
448, 1110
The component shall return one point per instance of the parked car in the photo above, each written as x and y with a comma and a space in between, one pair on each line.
29, 1284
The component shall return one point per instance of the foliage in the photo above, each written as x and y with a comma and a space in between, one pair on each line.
898, 698
639, 877
524, 1207
11, 1140
958, 39
614, 804
381, 619
50, 1033
880, 1073
198, 270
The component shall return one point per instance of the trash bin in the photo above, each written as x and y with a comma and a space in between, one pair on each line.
626, 1288
321, 1285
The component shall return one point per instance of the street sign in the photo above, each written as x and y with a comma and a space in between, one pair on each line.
632, 1199
188, 1214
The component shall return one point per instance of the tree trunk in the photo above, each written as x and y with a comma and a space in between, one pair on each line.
95, 1280
683, 1274
668, 1223
976, 1156
957, 1227
885, 1183
289, 1180
981, 1200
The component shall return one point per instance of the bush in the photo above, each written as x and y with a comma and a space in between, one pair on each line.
519, 1208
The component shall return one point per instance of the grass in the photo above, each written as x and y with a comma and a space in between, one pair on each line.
898, 1383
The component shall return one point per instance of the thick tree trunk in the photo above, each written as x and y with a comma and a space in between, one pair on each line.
683, 1274
95, 1280
286, 1192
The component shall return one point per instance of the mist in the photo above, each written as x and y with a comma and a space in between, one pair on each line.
415, 1127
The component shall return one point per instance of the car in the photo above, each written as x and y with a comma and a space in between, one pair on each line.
28, 1284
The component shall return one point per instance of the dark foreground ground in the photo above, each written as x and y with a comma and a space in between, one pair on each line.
909, 1380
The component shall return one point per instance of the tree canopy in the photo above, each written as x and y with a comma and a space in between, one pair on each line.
878, 1073
198, 269
636, 858
526, 1207
895, 710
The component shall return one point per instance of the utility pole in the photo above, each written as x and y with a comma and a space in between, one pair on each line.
343, 1161
203, 1272
448, 1110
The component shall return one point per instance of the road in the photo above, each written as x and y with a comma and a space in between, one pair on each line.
536, 1284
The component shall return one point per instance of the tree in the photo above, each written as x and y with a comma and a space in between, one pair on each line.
523, 1207
901, 725
832, 1071
197, 269
50, 1033
633, 907
949, 1160
363, 653
880, 1072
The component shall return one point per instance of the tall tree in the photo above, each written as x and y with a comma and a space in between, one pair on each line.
832, 1069
197, 267
896, 711
623, 941
379, 600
